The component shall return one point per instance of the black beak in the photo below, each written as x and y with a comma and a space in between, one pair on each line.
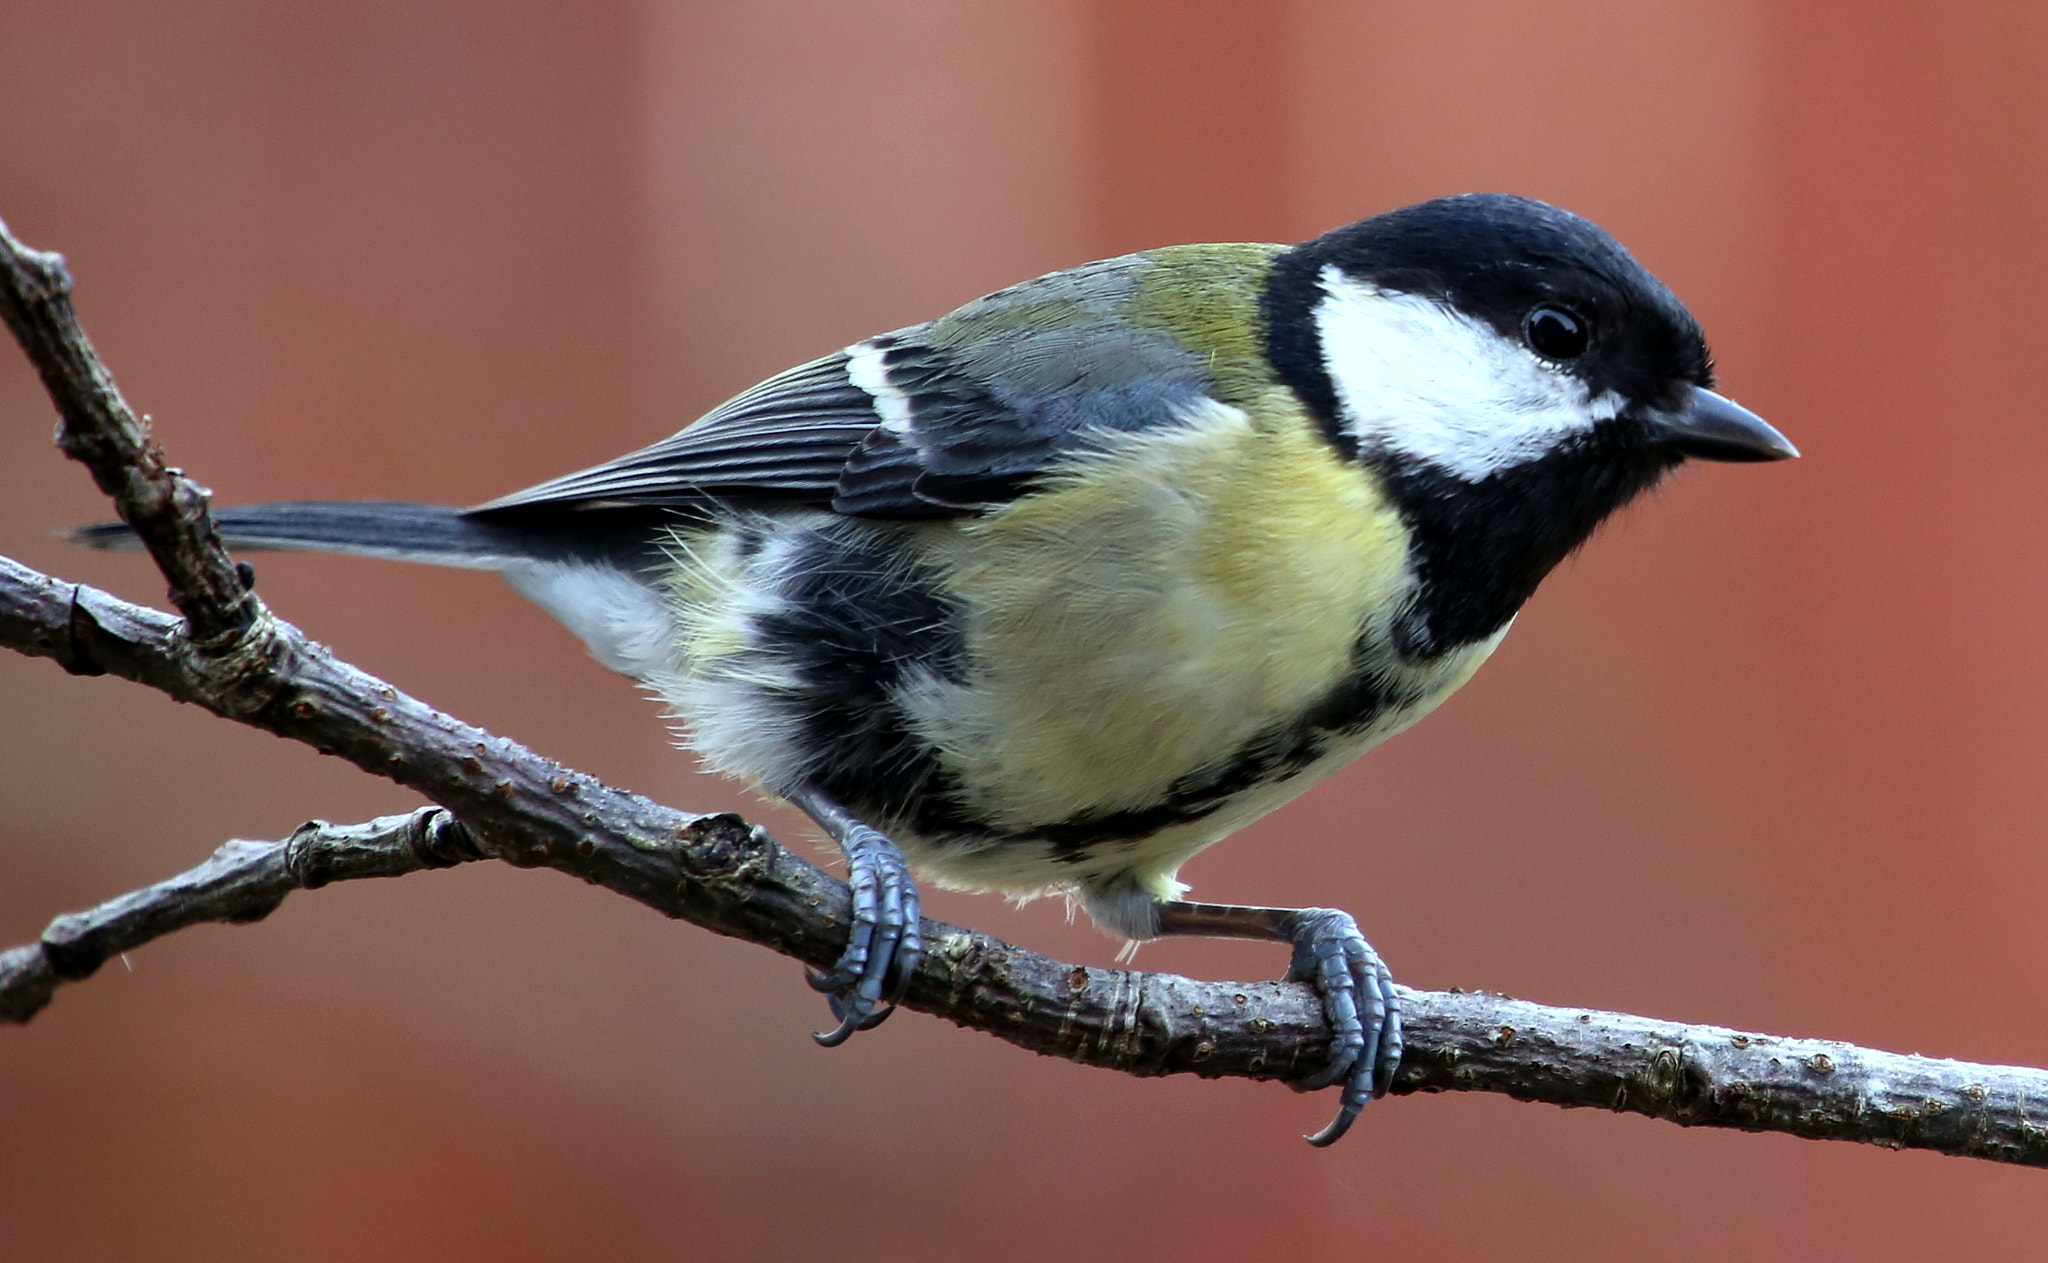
1716, 428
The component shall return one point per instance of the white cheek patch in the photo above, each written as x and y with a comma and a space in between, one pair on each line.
1413, 376
864, 368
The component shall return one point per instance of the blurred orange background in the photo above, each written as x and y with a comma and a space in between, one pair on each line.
1770, 753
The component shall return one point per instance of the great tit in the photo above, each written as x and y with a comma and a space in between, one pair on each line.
1054, 591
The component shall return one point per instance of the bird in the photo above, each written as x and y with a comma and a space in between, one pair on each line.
1052, 592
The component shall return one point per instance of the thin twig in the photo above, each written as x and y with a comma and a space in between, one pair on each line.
239, 883
730, 877
97, 428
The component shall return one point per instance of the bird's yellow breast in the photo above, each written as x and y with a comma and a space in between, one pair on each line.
1155, 606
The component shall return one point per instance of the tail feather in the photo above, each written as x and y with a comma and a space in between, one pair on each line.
428, 533
596, 570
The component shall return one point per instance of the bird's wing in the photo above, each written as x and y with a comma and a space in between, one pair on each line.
785, 439
948, 417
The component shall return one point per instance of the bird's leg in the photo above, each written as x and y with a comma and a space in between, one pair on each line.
884, 935
1358, 994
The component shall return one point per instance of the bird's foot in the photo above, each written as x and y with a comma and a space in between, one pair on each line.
884, 942
1361, 1005
1359, 1000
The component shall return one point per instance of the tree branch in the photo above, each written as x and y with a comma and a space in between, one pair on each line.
728, 876
97, 428
241, 882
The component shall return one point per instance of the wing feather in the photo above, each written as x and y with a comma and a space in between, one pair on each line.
957, 415
786, 438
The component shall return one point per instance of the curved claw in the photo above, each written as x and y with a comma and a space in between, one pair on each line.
841, 1008
1362, 1007
884, 937
840, 1033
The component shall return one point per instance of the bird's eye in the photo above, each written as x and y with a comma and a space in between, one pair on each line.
1555, 333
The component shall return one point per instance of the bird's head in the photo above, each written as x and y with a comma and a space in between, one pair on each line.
1511, 372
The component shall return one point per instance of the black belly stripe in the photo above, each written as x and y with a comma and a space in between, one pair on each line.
855, 621
1275, 755
854, 624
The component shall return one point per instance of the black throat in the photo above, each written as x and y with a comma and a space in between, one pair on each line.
1480, 548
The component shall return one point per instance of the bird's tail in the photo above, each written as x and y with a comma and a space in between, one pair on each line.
597, 571
428, 533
